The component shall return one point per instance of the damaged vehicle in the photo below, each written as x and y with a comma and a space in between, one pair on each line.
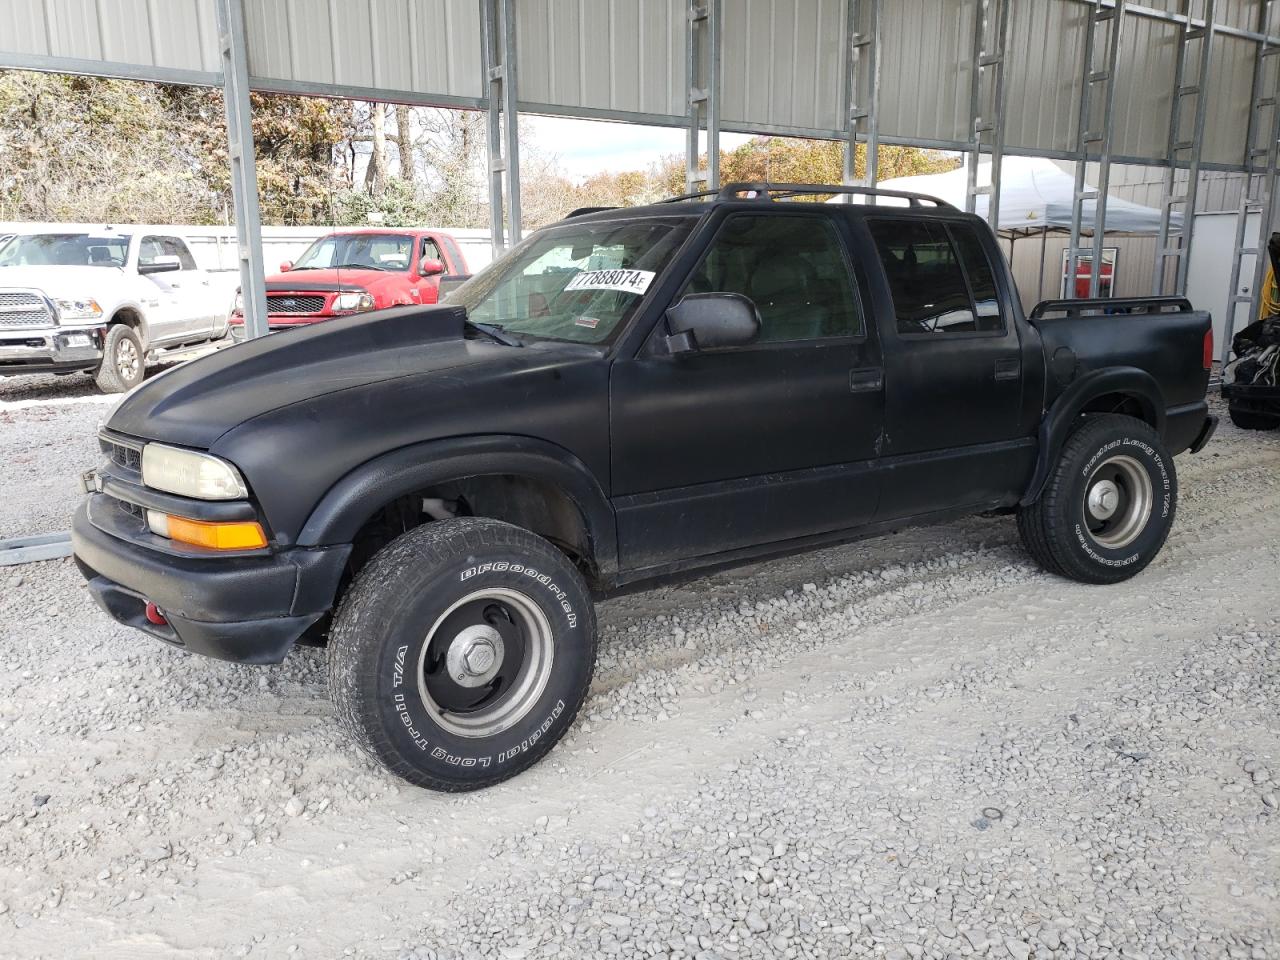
1252, 387
440, 494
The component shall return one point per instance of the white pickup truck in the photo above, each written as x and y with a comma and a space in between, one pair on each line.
102, 302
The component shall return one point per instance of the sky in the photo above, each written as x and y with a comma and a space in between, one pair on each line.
587, 147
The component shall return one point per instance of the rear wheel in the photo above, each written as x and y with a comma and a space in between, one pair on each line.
123, 362
462, 652
1248, 420
1108, 505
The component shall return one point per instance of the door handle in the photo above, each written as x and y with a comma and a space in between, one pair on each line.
1008, 369
866, 380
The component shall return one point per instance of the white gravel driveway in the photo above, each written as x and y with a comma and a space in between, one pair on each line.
916, 746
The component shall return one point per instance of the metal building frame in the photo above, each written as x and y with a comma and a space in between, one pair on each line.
244, 178
498, 34
861, 50
987, 113
702, 42
1184, 150
862, 90
1112, 20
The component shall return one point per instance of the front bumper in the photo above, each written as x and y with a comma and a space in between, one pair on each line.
50, 349
248, 608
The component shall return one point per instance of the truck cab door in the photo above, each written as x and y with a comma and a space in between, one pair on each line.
956, 433
718, 450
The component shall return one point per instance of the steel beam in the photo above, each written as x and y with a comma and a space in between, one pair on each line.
244, 179
987, 113
1190, 146
1114, 33
510, 114
491, 41
702, 44
862, 90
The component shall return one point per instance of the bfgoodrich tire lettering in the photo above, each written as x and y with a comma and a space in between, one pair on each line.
1109, 503
462, 653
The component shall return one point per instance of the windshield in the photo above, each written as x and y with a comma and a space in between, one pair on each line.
578, 282
65, 250
368, 251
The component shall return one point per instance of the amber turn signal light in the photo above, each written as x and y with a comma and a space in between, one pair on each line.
239, 535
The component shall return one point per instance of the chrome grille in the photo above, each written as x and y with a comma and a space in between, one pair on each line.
24, 308
295, 303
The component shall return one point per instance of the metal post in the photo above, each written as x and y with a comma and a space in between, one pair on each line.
702, 71
1097, 15
244, 179
1104, 148
511, 148
862, 90
493, 87
1178, 145
987, 115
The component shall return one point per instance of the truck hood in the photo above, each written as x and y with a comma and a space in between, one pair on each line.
328, 279
56, 281
196, 403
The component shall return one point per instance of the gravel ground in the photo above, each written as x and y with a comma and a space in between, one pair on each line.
916, 746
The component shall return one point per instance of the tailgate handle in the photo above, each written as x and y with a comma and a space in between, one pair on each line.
866, 380
1008, 369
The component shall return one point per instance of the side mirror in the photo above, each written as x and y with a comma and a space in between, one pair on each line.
161, 264
286, 266
430, 267
705, 321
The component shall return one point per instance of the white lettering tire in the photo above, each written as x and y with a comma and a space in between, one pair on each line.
462, 652
1108, 505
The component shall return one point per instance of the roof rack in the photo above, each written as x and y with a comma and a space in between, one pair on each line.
691, 196
582, 211
763, 190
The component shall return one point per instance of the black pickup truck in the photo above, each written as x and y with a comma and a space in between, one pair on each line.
631, 395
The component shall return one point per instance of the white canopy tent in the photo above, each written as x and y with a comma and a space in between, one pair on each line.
1035, 196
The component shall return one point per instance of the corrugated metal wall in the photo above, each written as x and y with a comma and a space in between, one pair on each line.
783, 63
118, 31
782, 60
613, 55
424, 47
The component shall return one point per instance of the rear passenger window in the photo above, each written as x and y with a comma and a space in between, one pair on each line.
793, 269
924, 270
982, 282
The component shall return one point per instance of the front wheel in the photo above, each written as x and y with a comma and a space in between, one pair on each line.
1108, 505
123, 361
462, 653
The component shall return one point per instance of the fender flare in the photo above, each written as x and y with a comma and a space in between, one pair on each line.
350, 502
1059, 420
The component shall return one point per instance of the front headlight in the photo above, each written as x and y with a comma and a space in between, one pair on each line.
353, 302
78, 308
190, 474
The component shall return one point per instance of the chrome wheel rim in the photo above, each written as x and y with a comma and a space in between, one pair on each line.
127, 359
486, 662
1118, 501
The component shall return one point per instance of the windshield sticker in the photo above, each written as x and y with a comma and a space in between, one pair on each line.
589, 322
627, 281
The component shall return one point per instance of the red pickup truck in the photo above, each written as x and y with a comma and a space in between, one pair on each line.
357, 270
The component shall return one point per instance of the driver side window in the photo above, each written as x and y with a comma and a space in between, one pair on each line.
792, 267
